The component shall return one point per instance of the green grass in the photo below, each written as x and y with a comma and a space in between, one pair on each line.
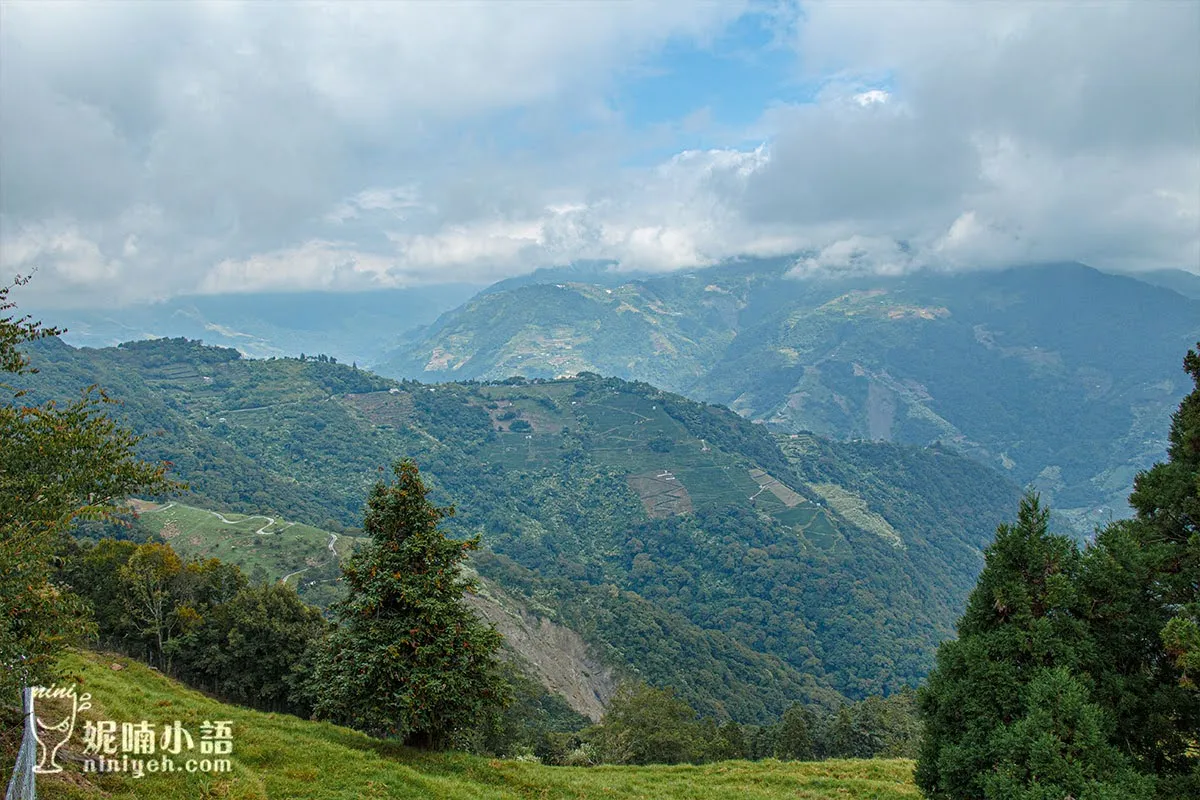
278, 546
279, 756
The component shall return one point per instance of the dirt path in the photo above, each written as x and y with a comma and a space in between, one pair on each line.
284, 579
333, 537
156, 510
261, 531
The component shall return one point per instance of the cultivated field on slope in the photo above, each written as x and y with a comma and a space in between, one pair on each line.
280, 756
632, 433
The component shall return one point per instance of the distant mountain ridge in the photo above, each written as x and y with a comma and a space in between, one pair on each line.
350, 326
1059, 374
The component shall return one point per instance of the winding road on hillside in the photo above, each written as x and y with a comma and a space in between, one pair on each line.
333, 537
260, 532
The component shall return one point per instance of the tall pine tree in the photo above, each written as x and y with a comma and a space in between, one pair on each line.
407, 658
1076, 675
994, 725
1142, 578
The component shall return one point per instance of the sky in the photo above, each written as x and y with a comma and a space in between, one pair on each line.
155, 149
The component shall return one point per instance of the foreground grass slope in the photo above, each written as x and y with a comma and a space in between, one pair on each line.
279, 756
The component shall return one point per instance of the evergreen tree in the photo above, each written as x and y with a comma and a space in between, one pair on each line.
1022, 619
408, 658
1075, 676
1141, 580
1059, 747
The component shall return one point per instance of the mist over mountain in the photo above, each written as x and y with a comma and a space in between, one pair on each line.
1060, 376
350, 326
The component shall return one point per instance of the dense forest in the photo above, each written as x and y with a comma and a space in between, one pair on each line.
1058, 374
684, 542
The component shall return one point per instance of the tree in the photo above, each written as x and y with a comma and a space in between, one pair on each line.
147, 580
734, 745
794, 741
889, 727
1074, 676
1144, 609
1022, 617
252, 648
58, 464
837, 735
92, 570
407, 658
644, 725
1060, 747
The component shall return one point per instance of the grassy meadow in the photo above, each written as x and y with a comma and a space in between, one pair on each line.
279, 547
280, 756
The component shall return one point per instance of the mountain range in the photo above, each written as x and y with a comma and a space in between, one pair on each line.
1060, 375
749, 484
350, 326
682, 543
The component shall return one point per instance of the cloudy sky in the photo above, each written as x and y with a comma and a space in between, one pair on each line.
150, 149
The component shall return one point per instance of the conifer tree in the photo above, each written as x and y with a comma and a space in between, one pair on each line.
1060, 747
408, 658
1021, 632
1075, 676
1142, 578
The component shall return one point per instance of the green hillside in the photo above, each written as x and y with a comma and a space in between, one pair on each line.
276, 756
1060, 375
678, 539
270, 548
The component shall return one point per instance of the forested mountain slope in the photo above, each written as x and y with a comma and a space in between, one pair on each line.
1060, 375
679, 539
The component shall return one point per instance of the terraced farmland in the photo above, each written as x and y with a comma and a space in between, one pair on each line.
671, 470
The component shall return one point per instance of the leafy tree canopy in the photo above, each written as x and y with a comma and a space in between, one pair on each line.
58, 463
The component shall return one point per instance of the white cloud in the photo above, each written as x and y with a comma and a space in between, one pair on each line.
63, 251
151, 149
872, 96
857, 255
312, 265
396, 201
